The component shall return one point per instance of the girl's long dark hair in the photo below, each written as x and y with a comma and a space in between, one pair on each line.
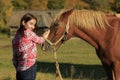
27, 17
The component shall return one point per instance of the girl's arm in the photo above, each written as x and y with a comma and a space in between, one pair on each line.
37, 39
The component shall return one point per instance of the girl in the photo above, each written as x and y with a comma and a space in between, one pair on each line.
24, 48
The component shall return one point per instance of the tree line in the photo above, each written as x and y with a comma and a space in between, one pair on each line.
8, 6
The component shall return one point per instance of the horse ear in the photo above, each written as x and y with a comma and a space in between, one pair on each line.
67, 13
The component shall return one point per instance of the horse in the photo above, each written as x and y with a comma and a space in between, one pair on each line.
99, 29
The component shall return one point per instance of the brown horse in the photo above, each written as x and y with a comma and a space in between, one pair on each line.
101, 30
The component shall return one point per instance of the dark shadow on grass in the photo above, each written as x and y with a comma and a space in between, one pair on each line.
76, 71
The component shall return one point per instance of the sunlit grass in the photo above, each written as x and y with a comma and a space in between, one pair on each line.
74, 51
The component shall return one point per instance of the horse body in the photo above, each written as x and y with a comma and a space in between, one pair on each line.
104, 39
107, 45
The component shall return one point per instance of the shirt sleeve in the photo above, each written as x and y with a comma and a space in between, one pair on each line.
14, 60
35, 38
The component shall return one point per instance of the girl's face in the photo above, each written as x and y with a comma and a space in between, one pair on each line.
30, 24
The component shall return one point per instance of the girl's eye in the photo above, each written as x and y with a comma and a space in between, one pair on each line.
31, 23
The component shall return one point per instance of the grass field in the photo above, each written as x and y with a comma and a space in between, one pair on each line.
77, 61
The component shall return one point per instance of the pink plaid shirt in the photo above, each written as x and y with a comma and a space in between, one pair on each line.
24, 50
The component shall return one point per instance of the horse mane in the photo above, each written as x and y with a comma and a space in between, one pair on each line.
86, 19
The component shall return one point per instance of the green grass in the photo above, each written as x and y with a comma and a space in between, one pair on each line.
77, 60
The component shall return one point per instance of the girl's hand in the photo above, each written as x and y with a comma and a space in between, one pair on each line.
45, 34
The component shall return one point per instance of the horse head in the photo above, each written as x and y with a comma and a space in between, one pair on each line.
58, 32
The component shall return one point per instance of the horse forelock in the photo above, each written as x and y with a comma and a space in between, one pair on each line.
87, 19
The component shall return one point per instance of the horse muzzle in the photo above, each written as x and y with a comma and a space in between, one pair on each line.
46, 46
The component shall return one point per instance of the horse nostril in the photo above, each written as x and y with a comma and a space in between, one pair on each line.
42, 45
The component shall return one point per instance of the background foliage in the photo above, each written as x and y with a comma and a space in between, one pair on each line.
8, 6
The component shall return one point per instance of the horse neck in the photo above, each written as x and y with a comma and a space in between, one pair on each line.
91, 36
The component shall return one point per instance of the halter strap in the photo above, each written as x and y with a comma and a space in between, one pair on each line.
54, 44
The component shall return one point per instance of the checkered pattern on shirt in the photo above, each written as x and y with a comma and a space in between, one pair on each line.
24, 49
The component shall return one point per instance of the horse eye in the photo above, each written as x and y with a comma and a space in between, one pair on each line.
56, 24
